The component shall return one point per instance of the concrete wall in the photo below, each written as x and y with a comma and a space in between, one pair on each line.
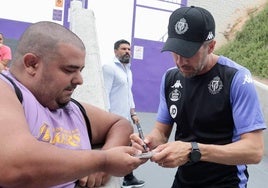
82, 22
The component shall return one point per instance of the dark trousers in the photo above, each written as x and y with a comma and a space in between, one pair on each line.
129, 176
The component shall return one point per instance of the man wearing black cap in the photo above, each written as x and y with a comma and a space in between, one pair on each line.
212, 102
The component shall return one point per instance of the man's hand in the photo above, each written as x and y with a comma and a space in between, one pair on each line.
135, 118
172, 154
94, 180
121, 160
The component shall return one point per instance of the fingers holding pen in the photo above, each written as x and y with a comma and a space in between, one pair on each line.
168, 155
138, 143
160, 155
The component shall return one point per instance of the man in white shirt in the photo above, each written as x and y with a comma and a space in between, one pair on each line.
118, 83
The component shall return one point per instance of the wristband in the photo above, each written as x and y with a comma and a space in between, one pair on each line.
133, 114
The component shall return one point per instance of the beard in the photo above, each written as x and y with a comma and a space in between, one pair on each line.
125, 59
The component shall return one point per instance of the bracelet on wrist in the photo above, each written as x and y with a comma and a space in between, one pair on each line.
133, 114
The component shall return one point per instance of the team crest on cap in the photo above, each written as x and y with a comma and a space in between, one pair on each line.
181, 26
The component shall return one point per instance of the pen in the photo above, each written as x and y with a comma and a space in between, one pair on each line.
141, 135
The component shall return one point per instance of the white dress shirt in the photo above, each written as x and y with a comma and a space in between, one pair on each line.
118, 84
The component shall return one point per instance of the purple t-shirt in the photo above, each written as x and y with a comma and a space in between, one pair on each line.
64, 128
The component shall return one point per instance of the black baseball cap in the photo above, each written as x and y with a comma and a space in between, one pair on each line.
188, 29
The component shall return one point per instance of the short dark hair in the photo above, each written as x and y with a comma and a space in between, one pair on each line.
119, 42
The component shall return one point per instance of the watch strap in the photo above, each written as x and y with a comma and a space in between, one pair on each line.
194, 146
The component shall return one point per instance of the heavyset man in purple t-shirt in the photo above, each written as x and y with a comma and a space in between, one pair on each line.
44, 138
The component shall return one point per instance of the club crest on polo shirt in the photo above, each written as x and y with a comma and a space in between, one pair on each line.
215, 85
181, 26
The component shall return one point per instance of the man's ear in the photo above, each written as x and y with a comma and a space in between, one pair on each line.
211, 46
31, 62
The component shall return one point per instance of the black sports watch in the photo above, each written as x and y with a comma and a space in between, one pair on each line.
195, 154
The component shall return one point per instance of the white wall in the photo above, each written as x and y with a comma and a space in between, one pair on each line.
82, 22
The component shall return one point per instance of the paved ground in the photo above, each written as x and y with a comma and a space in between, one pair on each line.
158, 177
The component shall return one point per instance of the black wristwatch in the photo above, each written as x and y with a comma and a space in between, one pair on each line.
195, 154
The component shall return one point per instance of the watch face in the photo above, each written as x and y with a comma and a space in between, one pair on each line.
195, 156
